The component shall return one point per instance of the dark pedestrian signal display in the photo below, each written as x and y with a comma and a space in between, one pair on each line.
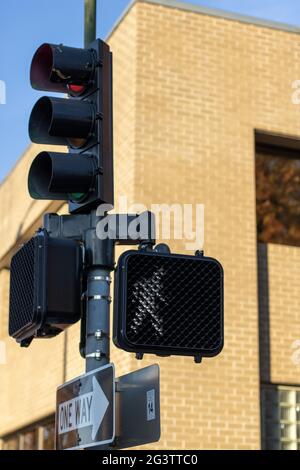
45, 288
168, 304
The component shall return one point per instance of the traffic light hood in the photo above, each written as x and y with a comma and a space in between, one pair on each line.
56, 67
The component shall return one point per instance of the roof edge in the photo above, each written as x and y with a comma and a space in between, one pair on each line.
218, 13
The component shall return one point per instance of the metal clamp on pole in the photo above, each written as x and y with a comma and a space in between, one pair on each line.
100, 297
97, 355
100, 278
99, 335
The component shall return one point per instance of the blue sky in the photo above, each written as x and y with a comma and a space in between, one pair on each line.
25, 24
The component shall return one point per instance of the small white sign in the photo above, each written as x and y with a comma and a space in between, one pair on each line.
150, 405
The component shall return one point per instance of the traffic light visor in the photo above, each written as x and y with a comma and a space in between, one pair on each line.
56, 67
55, 176
60, 121
41, 70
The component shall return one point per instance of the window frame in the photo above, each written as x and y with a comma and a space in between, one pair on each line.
37, 427
293, 404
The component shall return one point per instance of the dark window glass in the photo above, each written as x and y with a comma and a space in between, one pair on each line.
38, 436
278, 196
48, 436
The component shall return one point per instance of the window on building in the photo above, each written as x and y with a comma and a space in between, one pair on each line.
278, 190
30, 439
38, 436
280, 417
11, 443
48, 436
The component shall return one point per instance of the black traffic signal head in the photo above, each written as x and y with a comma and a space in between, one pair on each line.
56, 176
62, 69
168, 304
59, 121
83, 122
45, 287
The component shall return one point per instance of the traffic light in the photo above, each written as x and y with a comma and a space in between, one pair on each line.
45, 288
82, 121
168, 304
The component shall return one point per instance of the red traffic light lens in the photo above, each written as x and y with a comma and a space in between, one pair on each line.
76, 90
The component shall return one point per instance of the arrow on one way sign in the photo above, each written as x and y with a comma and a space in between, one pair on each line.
85, 410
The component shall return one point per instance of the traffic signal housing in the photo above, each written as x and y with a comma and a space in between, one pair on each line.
82, 122
168, 304
45, 288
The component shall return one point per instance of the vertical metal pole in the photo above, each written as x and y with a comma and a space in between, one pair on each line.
90, 13
97, 318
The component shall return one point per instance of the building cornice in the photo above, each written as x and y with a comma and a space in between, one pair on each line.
202, 10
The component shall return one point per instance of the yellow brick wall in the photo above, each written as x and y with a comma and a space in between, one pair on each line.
204, 85
189, 91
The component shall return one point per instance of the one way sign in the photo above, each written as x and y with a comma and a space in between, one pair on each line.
85, 410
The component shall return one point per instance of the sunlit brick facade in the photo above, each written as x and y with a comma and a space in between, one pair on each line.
191, 86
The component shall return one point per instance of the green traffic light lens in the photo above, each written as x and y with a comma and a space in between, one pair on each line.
77, 197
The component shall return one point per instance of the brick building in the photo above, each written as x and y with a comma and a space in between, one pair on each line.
200, 97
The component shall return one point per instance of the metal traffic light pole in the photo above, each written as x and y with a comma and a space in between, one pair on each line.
90, 11
100, 258
98, 279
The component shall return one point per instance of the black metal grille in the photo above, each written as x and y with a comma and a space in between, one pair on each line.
174, 302
21, 308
